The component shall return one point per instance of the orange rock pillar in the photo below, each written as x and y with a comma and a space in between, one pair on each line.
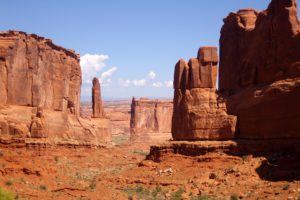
198, 112
98, 110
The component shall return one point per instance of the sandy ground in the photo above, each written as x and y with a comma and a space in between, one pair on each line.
123, 173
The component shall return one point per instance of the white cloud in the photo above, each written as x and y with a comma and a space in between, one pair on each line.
105, 76
94, 65
93, 61
108, 73
124, 83
91, 65
151, 75
141, 82
169, 84
157, 84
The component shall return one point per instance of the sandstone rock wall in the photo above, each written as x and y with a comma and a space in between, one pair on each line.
40, 93
150, 120
260, 47
260, 70
35, 72
199, 113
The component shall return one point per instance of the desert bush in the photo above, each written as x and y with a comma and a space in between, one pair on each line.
141, 152
93, 184
5, 195
143, 193
286, 186
234, 197
43, 187
9, 183
156, 191
120, 139
177, 195
56, 158
204, 197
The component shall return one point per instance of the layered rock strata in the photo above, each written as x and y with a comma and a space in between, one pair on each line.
150, 120
199, 113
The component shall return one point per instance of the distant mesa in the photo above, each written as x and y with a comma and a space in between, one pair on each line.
150, 120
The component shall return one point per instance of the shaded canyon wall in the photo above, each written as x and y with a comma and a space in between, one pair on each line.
259, 80
260, 70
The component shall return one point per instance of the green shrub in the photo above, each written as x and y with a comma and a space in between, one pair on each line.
4, 195
156, 191
177, 195
141, 152
43, 187
234, 197
8, 183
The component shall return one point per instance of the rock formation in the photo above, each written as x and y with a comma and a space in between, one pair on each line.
198, 111
40, 92
259, 79
38, 127
260, 70
150, 120
98, 110
35, 72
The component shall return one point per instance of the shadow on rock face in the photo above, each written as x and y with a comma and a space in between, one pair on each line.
280, 167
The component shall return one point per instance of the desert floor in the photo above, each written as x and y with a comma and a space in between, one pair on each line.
121, 172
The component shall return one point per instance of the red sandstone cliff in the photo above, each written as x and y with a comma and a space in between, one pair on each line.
40, 92
259, 80
199, 113
35, 72
150, 120
260, 70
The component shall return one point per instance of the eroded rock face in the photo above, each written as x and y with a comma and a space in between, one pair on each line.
150, 120
35, 72
260, 47
199, 114
98, 110
38, 126
260, 70
40, 93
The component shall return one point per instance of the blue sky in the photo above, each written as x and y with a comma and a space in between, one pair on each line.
132, 45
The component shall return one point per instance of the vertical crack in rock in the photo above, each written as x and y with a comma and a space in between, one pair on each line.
260, 70
36, 74
198, 112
